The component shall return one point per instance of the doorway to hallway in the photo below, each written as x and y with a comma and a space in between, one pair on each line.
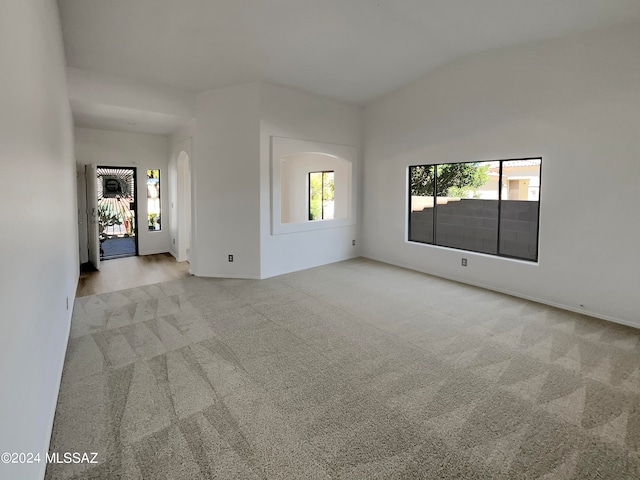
117, 212
183, 201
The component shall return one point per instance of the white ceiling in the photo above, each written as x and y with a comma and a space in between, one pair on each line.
112, 103
352, 50
110, 117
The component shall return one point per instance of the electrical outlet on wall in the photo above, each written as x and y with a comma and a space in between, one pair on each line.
464, 262
353, 242
231, 258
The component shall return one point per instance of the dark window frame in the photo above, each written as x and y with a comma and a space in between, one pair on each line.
323, 172
500, 200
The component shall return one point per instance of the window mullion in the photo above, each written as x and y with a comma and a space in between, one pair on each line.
435, 202
499, 206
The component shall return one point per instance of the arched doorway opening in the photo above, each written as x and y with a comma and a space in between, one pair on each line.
183, 210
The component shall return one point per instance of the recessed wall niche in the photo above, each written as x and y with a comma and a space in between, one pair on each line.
291, 162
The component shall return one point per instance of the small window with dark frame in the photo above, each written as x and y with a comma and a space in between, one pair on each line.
321, 195
487, 207
153, 200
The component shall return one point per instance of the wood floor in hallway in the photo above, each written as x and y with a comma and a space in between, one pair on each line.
130, 272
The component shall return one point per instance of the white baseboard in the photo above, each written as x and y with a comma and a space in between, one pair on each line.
513, 294
216, 275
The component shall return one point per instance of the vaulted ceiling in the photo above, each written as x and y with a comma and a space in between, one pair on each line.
352, 50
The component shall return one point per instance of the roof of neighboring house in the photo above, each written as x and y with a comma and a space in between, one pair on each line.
522, 163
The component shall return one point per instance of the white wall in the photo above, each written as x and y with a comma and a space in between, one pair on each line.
38, 236
293, 114
231, 189
574, 101
226, 183
140, 150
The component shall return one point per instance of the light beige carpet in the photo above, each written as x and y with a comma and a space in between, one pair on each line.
351, 370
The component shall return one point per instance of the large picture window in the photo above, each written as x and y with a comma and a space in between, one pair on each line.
487, 207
